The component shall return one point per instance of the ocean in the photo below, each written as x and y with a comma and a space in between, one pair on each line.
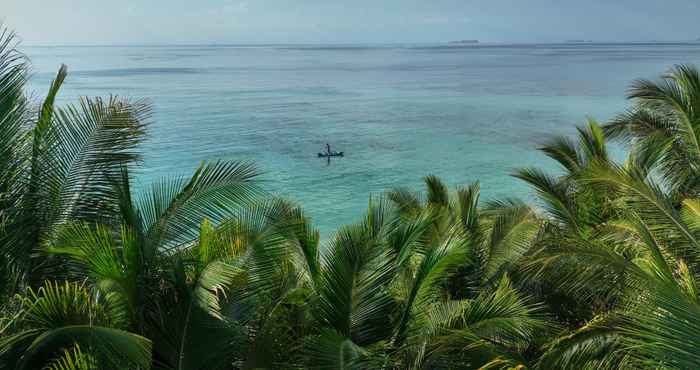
399, 112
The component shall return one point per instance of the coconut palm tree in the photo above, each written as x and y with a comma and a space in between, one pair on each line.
653, 317
59, 320
643, 253
69, 213
388, 293
663, 128
205, 272
57, 164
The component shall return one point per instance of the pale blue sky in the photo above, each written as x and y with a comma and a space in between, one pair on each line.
349, 21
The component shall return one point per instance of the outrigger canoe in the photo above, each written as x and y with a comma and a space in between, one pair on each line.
331, 154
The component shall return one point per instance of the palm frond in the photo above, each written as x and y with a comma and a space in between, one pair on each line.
592, 141
512, 235
653, 206
113, 348
588, 345
438, 264
406, 201
553, 193
115, 267
73, 359
14, 160
13, 115
352, 294
173, 210
663, 327
564, 151
59, 316
468, 201
93, 143
331, 350
438, 194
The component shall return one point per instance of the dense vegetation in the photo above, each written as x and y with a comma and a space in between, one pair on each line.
209, 272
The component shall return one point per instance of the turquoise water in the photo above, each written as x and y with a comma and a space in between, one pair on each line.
399, 112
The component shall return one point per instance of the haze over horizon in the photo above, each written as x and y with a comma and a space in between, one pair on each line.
361, 21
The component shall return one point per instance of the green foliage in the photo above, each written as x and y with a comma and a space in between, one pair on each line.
59, 316
209, 272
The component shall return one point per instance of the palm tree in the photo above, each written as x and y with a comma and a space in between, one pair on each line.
653, 318
387, 292
663, 128
157, 267
57, 164
67, 202
205, 272
486, 321
60, 319
644, 252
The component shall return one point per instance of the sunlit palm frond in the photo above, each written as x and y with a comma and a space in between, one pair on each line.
590, 346
690, 214
197, 335
505, 317
303, 237
262, 241
592, 140
115, 266
490, 331
663, 327
173, 209
73, 359
653, 206
409, 237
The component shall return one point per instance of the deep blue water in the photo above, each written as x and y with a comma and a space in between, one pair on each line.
399, 112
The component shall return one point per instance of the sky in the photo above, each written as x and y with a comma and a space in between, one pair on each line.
101, 22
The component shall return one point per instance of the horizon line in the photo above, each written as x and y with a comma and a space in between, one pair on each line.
446, 43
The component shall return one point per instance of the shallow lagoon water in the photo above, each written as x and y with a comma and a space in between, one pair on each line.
399, 112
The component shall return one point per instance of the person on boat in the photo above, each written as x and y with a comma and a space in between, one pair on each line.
328, 148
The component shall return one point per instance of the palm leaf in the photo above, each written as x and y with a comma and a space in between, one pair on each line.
113, 348
589, 344
663, 328
331, 350
653, 206
438, 263
59, 316
173, 210
352, 295
513, 234
558, 204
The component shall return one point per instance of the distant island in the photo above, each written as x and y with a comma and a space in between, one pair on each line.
578, 41
465, 42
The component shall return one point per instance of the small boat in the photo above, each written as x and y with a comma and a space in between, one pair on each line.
331, 154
